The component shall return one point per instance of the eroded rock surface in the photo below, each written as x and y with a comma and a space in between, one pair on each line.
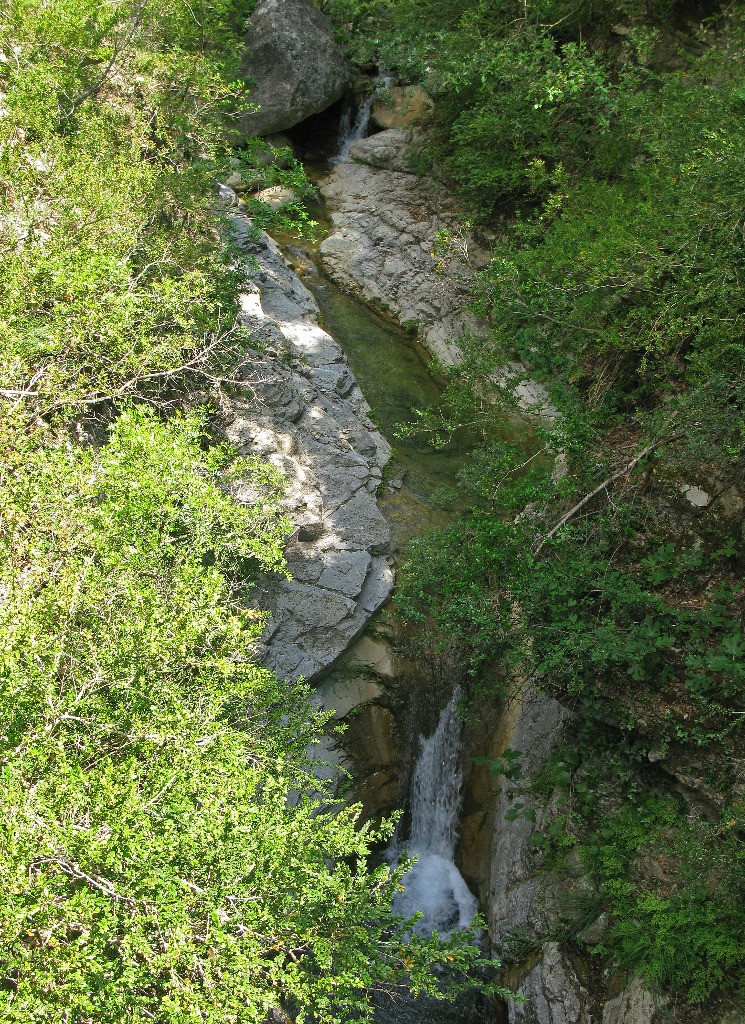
531, 724
398, 243
553, 992
635, 1005
302, 409
384, 244
296, 65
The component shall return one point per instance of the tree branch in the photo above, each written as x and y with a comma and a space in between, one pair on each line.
627, 468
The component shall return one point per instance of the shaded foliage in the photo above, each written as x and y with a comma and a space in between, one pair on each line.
166, 851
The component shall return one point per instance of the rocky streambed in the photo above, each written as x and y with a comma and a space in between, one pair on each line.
395, 244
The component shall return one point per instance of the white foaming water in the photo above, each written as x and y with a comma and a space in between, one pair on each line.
434, 886
351, 132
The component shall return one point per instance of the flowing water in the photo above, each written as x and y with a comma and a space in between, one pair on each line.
351, 131
392, 371
434, 886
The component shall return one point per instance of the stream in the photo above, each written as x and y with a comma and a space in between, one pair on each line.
392, 371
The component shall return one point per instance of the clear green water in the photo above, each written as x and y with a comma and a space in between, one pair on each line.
392, 372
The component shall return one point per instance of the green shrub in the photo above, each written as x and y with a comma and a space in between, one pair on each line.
165, 850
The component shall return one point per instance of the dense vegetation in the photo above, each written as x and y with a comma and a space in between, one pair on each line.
598, 150
162, 853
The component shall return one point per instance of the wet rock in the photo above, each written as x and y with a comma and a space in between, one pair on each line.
295, 65
300, 407
402, 106
343, 696
373, 655
635, 1005
532, 724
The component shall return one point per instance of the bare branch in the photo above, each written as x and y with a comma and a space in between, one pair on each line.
107, 71
627, 468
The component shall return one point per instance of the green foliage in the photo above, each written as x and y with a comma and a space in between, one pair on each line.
166, 852
615, 282
446, 592
115, 283
659, 873
607, 613
620, 296
507, 764
685, 935
152, 859
515, 108
599, 617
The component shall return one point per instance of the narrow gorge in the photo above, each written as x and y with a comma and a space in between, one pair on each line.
372, 509
381, 245
304, 410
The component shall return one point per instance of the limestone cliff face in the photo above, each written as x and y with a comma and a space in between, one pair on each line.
522, 899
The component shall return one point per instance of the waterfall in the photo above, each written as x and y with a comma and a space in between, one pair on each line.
352, 131
434, 886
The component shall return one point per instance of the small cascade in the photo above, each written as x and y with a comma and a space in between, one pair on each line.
352, 131
434, 886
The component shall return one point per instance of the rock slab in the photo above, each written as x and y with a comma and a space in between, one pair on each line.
300, 407
295, 65
553, 994
398, 243
384, 244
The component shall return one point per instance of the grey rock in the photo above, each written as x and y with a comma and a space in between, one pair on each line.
553, 992
345, 571
385, 223
635, 1005
532, 724
296, 66
360, 521
377, 586
387, 150
299, 406
594, 932
731, 502
384, 249
695, 496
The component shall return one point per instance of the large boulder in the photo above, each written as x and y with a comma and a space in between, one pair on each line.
295, 65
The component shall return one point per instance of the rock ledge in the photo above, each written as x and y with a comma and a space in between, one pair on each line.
302, 409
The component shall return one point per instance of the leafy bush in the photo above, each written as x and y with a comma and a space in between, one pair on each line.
153, 861
615, 283
685, 935
659, 871
166, 852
